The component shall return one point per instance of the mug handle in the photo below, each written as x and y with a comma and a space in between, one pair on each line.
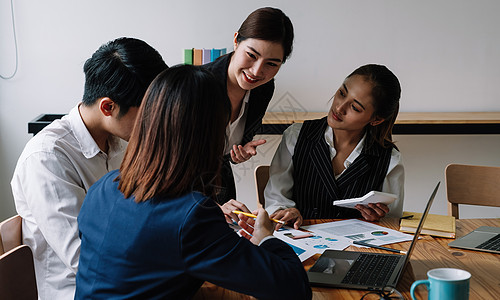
415, 284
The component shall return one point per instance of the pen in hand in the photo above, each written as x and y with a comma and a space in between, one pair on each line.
406, 217
254, 216
378, 247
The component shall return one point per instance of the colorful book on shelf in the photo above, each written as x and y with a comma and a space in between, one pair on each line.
203, 56
188, 56
206, 56
436, 225
214, 54
197, 57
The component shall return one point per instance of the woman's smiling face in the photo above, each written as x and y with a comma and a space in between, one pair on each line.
254, 62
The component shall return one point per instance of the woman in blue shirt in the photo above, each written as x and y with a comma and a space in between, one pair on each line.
152, 230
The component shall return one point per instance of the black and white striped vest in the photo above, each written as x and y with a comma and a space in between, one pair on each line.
315, 187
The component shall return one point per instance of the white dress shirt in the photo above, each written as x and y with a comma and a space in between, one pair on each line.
236, 129
51, 179
279, 189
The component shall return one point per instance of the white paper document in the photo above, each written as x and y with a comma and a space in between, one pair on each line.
306, 244
356, 230
370, 197
337, 235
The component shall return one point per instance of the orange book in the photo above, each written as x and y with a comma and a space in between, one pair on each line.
197, 57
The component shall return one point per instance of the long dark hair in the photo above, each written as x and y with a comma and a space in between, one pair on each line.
178, 138
386, 92
268, 24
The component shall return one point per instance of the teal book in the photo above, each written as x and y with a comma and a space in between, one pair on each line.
214, 54
188, 56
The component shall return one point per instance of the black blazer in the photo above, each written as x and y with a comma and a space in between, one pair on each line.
257, 106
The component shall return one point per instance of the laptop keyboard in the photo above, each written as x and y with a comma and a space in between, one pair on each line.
491, 244
371, 270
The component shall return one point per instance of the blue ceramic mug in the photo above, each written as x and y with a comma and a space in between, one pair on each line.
445, 284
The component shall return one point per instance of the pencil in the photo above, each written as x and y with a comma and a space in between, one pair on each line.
378, 247
254, 216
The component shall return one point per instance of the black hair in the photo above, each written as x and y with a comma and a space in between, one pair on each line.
122, 70
177, 142
386, 93
268, 24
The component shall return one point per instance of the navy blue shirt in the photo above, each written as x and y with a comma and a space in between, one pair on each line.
166, 248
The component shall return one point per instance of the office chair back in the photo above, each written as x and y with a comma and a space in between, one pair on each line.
473, 185
17, 275
17, 270
261, 177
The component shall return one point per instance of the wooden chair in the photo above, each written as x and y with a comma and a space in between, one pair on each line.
473, 185
17, 270
1, 245
261, 176
11, 233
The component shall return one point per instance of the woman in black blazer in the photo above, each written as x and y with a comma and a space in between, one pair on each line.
261, 45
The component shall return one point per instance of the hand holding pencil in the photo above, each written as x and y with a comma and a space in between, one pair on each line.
254, 216
230, 206
256, 227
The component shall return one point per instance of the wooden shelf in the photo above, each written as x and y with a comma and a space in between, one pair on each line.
406, 123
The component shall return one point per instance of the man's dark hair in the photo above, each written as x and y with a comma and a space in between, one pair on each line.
122, 70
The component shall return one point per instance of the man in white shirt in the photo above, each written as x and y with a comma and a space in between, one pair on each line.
62, 161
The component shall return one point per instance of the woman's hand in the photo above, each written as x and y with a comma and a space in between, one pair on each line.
229, 206
373, 211
289, 215
256, 230
241, 153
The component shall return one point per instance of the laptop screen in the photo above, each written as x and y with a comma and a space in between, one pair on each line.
421, 223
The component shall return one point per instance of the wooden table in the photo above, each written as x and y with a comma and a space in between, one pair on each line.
430, 252
406, 123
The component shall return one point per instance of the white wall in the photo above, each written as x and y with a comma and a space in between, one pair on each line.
444, 52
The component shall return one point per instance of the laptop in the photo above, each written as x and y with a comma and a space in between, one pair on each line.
363, 270
484, 238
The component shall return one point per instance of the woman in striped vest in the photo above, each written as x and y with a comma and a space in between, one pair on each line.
344, 155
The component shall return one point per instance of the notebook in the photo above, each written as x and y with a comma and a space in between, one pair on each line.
484, 238
362, 270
